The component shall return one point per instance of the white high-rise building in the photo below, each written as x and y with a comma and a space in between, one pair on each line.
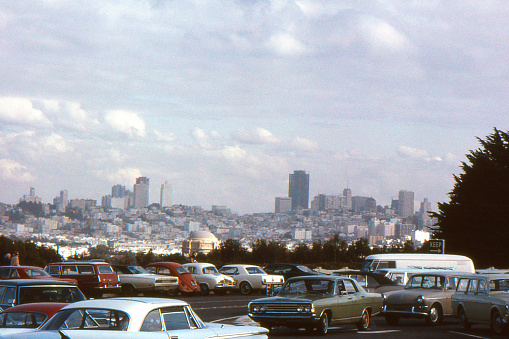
165, 197
141, 192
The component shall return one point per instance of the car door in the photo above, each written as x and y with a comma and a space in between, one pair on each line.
482, 302
342, 307
355, 299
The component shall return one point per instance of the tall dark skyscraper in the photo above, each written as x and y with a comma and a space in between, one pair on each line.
298, 190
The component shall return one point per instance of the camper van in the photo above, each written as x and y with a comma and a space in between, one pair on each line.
458, 263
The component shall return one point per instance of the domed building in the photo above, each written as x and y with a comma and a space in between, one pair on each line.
199, 242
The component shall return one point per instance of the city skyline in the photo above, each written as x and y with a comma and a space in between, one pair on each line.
223, 100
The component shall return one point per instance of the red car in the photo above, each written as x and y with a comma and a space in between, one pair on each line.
187, 283
27, 316
29, 272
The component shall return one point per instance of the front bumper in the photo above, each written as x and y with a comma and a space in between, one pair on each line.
406, 311
286, 320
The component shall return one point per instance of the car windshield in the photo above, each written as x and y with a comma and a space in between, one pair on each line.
62, 294
181, 270
23, 319
301, 286
88, 319
254, 270
305, 269
210, 270
137, 270
36, 272
426, 281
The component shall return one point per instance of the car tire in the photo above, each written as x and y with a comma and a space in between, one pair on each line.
204, 289
323, 324
497, 323
392, 320
435, 315
363, 323
463, 320
245, 288
128, 290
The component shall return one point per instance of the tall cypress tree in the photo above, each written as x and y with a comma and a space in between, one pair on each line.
475, 222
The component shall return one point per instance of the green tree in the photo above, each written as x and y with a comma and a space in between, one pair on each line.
474, 221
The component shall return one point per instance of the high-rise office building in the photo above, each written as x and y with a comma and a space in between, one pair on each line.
298, 190
165, 197
141, 192
118, 191
283, 205
347, 200
406, 203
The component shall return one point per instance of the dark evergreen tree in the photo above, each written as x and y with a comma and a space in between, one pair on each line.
474, 221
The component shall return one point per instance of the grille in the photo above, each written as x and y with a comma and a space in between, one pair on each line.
282, 308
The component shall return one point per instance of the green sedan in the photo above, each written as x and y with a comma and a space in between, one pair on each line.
316, 302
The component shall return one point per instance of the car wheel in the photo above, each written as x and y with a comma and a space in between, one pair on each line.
497, 323
434, 315
323, 324
204, 289
128, 290
363, 324
463, 320
245, 288
392, 319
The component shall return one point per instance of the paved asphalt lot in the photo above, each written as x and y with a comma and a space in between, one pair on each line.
232, 309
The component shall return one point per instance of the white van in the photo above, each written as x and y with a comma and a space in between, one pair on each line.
418, 260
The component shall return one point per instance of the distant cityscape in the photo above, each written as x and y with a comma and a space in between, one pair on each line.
126, 221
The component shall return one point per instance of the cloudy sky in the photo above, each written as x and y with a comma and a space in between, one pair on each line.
225, 98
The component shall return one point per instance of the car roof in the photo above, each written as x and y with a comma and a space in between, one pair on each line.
492, 276
83, 262
198, 264
165, 263
27, 282
319, 276
129, 305
22, 267
240, 265
37, 307
442, 273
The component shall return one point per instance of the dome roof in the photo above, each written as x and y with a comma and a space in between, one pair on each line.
202, 235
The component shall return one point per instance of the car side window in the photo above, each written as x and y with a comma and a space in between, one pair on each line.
152, 269
340, 288
2, 290
163, 270
481, 288
472, 287
86, 269
152, 322
69, 270
54, 270
229, 270
9, 296
175, 318
462, 285
372, 282
14, 274
191, 269
349, 287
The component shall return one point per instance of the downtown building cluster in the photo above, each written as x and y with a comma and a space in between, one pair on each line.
125, 221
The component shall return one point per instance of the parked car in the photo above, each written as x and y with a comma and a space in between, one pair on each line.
250, 278
210, 279
371, 282
22, 291
289, 270
482, 299
316, 302
138, 317
94, 277
426, 295
401, 275
135, 279
29, 272
26, 317
187, 283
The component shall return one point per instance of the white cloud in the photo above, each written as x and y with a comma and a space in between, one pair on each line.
304, 144
123, 176
201, 138
21, 111
56, 142
254, 136
126, 122
416, 153
381, 37
166, 137
12, 170
286, 44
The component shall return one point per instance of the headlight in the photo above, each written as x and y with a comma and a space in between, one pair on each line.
258, 308
304, 308
420, 299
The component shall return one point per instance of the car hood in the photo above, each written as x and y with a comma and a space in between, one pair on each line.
310, 297
410, 295
234, 331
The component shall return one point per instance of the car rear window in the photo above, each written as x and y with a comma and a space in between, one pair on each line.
105, 269
62, 294
21, 319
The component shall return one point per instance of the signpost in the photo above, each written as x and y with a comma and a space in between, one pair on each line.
436, 246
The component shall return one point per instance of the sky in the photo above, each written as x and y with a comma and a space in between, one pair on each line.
224, 99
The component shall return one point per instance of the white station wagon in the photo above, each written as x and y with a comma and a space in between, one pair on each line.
210, 279
138, 317
250, 278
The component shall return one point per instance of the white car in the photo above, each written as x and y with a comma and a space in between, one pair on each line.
138, 317
210, 279
135, 279
250, 278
